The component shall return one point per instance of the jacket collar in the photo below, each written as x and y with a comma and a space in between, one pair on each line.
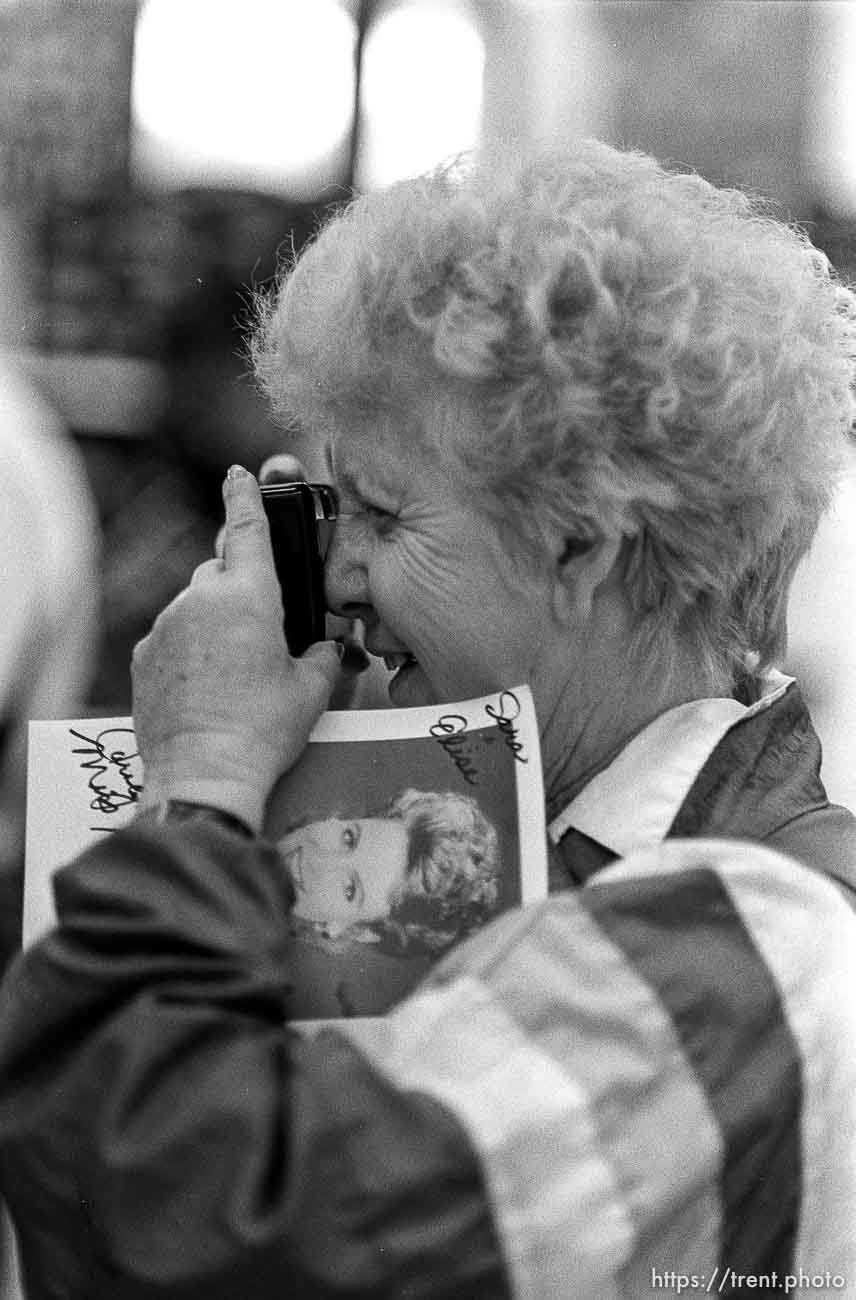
633, 803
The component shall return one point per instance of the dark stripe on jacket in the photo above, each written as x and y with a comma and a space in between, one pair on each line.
738, 1042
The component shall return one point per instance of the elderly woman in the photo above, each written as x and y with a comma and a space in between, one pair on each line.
582, 421
582, 416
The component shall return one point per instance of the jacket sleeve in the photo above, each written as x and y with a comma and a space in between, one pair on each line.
627, 1079
164, 1133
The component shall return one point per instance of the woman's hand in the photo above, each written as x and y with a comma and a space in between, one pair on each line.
221, 709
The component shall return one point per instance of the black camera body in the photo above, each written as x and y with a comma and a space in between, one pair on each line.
301, 517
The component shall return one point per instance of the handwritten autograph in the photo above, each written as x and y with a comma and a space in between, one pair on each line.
504, 716
114, 767
450, 732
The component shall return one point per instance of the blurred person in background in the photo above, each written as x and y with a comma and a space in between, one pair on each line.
49, 575
48, 593
583, 415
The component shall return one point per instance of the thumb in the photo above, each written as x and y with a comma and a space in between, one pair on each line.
320, 666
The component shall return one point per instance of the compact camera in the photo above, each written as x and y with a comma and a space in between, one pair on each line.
301, 518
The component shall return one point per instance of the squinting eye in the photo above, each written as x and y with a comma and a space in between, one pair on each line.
351, 836
350, 889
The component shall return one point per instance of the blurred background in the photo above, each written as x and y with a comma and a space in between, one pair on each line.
157, 158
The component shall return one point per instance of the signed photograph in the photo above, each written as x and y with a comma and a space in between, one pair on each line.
402, 831
403, 834
84, 779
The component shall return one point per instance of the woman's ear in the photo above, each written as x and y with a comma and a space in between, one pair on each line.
581, 566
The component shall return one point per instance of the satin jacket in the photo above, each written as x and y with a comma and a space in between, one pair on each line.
644, 1084
760, 781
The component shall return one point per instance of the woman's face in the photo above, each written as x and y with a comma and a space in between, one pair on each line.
416, 558
345, 871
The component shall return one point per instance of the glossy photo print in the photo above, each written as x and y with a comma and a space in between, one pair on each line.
401, 830
402, 835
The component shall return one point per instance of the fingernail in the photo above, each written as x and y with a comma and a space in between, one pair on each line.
236, 471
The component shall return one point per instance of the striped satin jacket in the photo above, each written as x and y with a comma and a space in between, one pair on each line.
644, 1086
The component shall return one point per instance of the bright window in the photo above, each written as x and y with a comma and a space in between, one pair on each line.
242, 91
830, 157
421, 94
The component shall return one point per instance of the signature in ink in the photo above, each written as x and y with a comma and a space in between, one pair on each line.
114, 767
450, 733
504, 714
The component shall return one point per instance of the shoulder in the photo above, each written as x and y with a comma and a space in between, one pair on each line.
650, 1053
823, 838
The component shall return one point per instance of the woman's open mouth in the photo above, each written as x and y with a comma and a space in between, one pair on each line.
405, 672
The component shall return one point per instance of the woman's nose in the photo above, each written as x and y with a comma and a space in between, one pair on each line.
346, 583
